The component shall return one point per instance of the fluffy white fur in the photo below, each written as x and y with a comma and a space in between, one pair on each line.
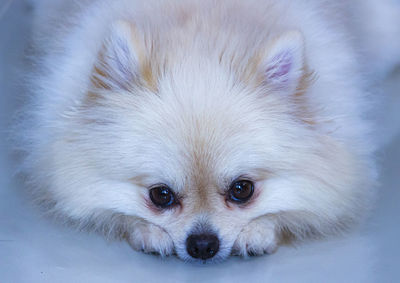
193, 94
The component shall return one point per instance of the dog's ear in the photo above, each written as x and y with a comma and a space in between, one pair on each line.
117, 66
283, 65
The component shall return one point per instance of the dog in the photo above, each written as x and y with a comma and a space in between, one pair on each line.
205, 128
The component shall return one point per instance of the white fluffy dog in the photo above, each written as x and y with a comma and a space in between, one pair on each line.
203, 127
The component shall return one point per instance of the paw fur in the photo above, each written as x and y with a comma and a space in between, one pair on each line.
256, 238
151, 239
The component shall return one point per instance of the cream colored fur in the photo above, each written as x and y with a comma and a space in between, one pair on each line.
194, 94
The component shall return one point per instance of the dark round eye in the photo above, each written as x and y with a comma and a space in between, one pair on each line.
241, 191
162, 196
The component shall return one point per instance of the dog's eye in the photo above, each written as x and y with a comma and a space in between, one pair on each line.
162, 196
241, 191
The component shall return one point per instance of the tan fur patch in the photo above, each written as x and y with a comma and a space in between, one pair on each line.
201, 182
98, 75
148, 75
144, 55
304, 112
252, 74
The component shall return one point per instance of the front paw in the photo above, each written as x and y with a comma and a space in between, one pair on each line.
149, 238
257, 238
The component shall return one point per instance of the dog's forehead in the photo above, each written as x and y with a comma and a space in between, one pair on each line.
204, 156
202, 131
207, 146
202, 144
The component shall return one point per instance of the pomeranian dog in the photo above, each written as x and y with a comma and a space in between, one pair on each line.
205, 128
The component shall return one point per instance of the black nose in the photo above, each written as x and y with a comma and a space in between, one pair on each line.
203, 246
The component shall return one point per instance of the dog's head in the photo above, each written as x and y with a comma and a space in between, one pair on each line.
198, 138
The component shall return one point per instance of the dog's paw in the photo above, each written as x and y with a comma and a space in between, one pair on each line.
149, 238
257, 238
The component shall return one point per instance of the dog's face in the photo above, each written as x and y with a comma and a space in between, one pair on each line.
197, 150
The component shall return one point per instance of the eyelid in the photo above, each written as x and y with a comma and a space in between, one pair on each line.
242, 178
237, 179
159, 185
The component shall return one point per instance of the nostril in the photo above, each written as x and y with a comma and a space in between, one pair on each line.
203, 246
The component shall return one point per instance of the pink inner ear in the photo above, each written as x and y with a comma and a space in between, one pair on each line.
279, 67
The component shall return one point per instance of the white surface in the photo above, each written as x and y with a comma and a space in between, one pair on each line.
34, 249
